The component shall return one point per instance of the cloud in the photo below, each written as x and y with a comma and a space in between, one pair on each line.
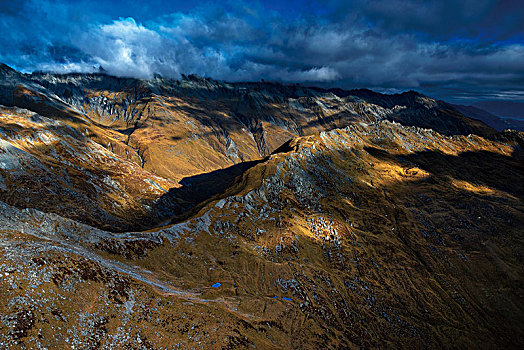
125, 48
445, 48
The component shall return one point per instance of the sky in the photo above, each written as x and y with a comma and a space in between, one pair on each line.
461, 51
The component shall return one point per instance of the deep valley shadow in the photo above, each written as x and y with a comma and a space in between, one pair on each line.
178, 202
198, 188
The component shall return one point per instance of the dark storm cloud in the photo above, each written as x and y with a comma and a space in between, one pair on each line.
441, 19
450, 49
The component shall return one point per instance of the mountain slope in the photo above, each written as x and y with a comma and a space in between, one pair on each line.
371, 235
49, 165
504, 108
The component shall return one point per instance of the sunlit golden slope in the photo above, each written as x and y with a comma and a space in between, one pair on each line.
54, 166
375, 235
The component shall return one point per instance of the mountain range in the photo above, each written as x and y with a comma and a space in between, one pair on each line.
198, 213
492, 120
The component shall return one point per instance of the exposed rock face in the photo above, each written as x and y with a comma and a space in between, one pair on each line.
359, 232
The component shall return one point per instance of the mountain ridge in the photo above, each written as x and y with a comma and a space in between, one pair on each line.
178, 129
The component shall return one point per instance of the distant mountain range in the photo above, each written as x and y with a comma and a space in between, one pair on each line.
489, 118
502, 108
